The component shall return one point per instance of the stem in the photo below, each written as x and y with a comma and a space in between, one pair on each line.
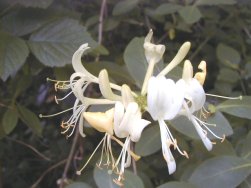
34, 185
30, 147
133, 161
69, 159
100, 25
148, 75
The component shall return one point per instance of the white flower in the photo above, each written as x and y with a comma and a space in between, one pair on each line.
195, 99
127, 124
164, 101
77, 84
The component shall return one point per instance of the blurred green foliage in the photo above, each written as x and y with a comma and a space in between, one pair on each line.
37, 40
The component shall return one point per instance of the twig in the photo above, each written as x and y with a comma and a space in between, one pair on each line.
69, 159
47, 171
134, 167
30, 147
101, 19
100, 25
1, 174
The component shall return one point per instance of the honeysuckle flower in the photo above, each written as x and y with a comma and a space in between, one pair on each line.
127, 124
77, 85
195, 98
164, 101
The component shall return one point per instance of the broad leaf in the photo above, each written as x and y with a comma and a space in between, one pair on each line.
177, 184
228, 55
132, 180
54, 45
24, 21
149, 142
134, 57
190, 14
13, 53
117, 73
123, 7
105, 178
183, 125
224, 148
215, 2
78, 185
30, 119
239, 108
223, 171
35, 3
9, 120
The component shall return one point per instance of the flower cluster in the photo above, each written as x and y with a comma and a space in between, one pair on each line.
165, 99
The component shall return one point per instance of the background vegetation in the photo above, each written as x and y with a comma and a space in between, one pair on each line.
37, 40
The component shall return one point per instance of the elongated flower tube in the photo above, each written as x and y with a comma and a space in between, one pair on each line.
164, 100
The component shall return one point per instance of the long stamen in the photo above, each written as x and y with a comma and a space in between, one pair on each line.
79, 171
224, 97
56, 114
60, 99
205, 125
174, 142
135, 156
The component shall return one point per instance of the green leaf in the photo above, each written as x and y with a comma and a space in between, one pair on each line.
166, 8
239, 108
183, 125
9, 120
132, 180
30, 119
35, 3
26, 20
105, 179
245, 150
228, 55
224, 148
123, 7
78, 185
149, 142
223, 171
116, 72
54, 45
177, 184
190, 14
134, 57
215, 2
13, 53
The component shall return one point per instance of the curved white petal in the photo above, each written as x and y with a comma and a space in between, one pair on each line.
128, 123
167, 154
137, 129
164, 98
77, 63
196, 94
118, 116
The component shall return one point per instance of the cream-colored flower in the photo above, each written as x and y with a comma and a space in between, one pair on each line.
164, 101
